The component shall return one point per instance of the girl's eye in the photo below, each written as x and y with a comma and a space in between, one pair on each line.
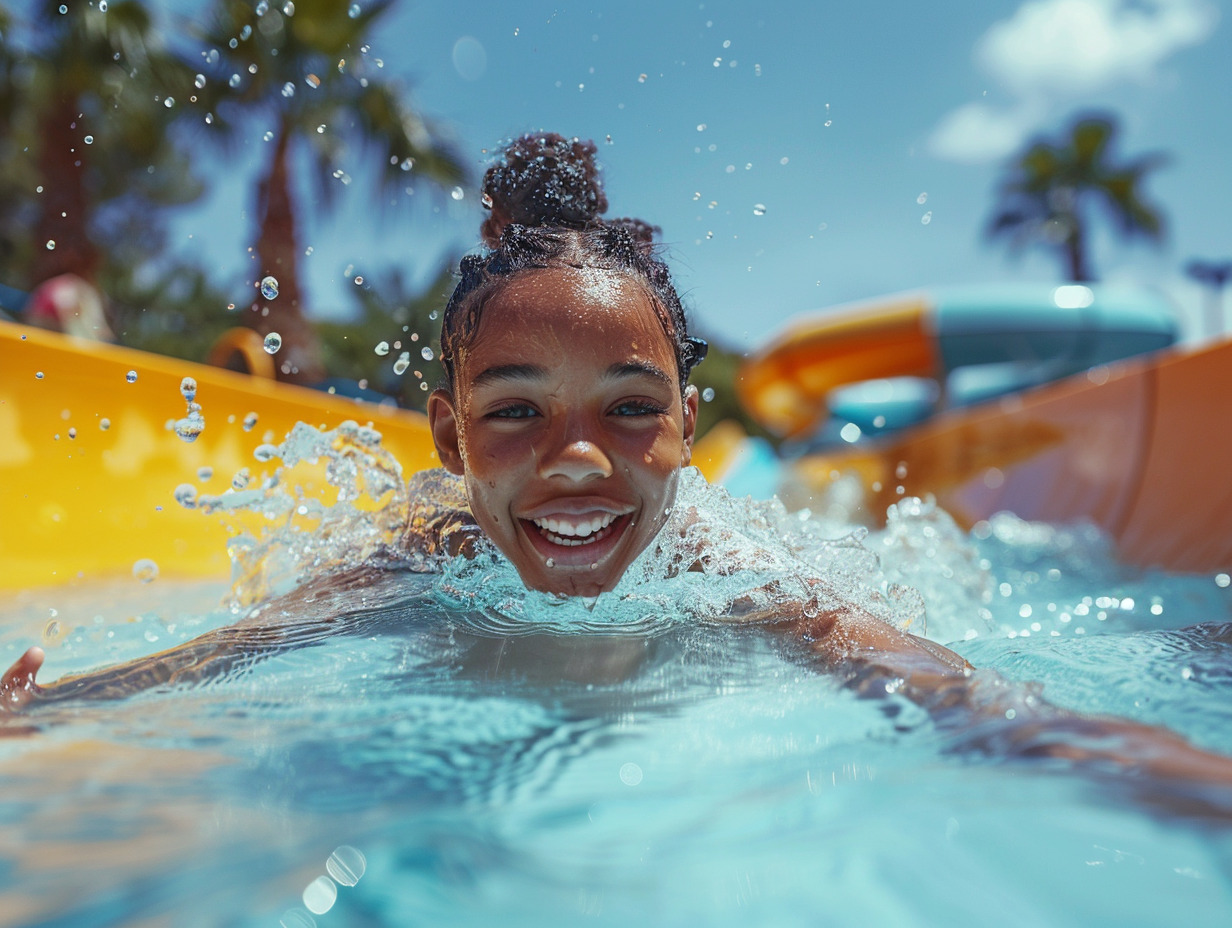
513, 411
638, 408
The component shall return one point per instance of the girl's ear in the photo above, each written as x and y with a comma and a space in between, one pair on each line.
690, 424
443, 421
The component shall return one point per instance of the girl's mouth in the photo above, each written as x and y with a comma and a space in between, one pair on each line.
572, 533
576, 540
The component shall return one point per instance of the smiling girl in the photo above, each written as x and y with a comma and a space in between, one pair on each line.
563, 427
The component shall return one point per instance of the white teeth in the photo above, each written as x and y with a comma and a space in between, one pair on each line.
571, 534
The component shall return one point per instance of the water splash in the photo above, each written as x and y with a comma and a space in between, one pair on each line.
283, 532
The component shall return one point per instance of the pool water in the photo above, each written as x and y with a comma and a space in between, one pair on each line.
681, 773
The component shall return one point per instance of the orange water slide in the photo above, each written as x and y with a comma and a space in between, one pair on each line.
1140, 448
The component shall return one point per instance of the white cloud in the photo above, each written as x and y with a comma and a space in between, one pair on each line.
977, 133
1053, 52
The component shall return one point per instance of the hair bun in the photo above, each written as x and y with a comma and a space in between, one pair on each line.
543, 179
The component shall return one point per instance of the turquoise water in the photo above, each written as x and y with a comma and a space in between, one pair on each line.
692, 774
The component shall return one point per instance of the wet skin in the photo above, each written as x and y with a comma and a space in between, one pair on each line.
568, 425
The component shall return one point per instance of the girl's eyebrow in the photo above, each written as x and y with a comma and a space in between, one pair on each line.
639, 369
502, 372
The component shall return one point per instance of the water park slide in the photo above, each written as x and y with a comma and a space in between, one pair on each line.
1035, 332
88, 467
1139, 447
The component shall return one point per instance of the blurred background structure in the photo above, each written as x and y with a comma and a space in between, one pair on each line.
176, 153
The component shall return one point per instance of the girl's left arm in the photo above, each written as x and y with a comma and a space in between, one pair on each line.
989, 714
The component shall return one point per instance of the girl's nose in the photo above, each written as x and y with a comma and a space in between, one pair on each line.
577, 459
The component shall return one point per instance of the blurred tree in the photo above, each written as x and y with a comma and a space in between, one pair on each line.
393, 322
1047, 194
715, 379
302, 71
86, 102
172, 309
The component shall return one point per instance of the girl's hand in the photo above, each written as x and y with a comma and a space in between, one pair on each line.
17, 686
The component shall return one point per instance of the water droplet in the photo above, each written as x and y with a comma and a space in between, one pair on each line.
346, 865
191, 426
1222, 580
314, 82
457, 193
104, 424
272, 343
641, 78
188, 389
63, 9
51, 244
320, 895
426, 353
403, 362
269, 287
269, 135
288, 8
145, 570
424, 386
551, 562
72, 433
353, 11
265, 452
630, 774
38, 375
922, 198
262, 7
432, 315
759, 209
288, 89
926, 218
102, 6
186, 495
169, 102
89, 140
250, 421
205, 472
297, 918
52, 631
234, 81
131, 376
241, 478
199, 81
828, 123
701, 127
708, 394
359, 281
382, 348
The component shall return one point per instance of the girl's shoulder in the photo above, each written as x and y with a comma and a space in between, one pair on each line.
439, 520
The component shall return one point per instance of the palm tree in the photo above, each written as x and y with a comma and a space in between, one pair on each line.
1047, 195
301, 70
86, 114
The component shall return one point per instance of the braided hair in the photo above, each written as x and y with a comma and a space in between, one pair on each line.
545, 199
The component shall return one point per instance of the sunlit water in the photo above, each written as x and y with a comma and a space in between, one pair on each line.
472, 757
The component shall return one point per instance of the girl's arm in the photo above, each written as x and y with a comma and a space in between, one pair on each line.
299, 618
989, 714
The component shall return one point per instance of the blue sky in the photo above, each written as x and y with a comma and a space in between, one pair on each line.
873, 134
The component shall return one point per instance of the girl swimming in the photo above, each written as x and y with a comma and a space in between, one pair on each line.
564, 427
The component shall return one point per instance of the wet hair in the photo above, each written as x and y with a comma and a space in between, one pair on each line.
545, 199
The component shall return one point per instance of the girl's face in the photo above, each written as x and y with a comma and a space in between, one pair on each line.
568, 424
